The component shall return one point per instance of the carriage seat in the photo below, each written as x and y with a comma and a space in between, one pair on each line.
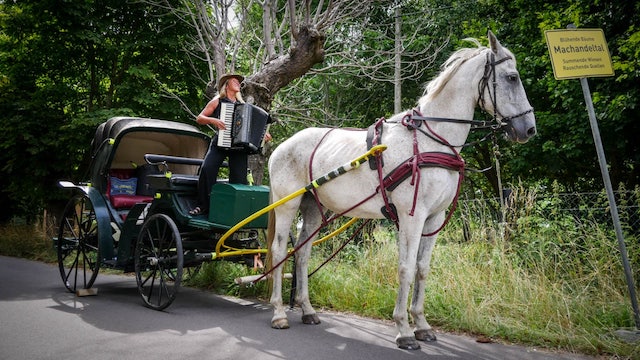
124, 189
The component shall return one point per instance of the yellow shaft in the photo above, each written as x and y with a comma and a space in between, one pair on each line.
374, 151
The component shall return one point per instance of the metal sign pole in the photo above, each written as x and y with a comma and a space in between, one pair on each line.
612, 201
578, 54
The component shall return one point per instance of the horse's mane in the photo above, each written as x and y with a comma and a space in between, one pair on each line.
450, 67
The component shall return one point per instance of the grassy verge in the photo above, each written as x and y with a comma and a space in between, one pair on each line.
27, 241
483, 288
540, 280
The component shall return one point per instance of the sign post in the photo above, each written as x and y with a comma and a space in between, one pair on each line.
582, 53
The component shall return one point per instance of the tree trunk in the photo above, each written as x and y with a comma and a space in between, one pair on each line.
279, 72
261, 87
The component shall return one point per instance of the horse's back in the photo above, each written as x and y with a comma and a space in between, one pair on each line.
311, 153
326, 147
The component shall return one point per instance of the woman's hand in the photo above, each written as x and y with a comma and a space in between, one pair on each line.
218, 123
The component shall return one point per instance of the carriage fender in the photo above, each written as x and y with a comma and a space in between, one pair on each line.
103, 217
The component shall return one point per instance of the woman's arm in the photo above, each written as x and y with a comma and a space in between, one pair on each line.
205, 116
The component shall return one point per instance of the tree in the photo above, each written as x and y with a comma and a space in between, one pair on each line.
65, 69
563, 150
289, 42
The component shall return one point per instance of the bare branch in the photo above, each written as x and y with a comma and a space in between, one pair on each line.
292, 19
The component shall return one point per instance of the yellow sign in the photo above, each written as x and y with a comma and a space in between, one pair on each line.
578, 53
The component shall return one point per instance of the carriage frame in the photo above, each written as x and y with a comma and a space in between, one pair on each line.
143, 225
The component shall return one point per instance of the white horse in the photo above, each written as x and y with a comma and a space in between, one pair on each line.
434, 131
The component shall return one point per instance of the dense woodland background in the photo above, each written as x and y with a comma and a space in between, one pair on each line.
66, 66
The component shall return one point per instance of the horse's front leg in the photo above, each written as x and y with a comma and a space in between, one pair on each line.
423, 331
407, 250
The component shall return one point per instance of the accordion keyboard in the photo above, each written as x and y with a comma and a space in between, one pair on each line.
226, 115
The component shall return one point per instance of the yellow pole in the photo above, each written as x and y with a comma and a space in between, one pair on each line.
355, 163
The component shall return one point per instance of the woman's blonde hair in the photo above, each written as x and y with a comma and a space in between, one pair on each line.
223, 92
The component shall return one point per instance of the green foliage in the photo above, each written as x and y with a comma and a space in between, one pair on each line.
62, 68
27, 241
65, 69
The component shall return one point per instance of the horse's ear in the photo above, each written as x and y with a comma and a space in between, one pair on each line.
494, 43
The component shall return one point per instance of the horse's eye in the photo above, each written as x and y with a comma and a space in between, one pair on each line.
512, 77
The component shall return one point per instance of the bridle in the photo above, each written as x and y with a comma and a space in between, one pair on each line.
414, 119
490, 74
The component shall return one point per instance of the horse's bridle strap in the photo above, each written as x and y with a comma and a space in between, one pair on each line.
490, 72
475, 124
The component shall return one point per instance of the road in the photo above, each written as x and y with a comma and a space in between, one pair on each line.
39, 319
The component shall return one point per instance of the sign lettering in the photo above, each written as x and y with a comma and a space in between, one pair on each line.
578, 53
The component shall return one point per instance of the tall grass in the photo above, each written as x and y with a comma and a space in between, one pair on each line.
541, 277
32, 241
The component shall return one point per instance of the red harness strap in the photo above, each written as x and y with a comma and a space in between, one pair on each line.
410, 167
452, 161
425, 159
325, 221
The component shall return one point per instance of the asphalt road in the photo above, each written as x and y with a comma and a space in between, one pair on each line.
39, 319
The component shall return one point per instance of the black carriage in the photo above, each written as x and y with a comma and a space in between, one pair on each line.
132, 213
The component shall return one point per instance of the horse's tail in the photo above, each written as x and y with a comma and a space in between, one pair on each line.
271, 233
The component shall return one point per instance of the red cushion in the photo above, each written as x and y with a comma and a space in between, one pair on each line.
127, 201
124, 201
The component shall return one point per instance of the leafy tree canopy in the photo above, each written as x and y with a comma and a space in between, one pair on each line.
66, 66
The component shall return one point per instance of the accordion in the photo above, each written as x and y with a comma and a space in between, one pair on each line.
246, 125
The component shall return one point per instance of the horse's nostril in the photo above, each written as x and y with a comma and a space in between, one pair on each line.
531, 131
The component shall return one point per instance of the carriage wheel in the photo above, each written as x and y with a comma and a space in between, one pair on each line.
158, 261
78, 250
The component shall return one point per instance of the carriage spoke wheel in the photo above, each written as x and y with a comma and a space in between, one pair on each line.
77, 245
159, 261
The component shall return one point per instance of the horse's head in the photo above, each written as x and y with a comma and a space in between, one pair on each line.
502, 93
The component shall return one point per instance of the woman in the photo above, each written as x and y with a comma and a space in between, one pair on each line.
229, 92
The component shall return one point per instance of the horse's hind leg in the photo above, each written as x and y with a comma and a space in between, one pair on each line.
284, 216
311, 221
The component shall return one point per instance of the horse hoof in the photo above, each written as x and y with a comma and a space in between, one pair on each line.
407, 343
280, 324
311, 319
425, 335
